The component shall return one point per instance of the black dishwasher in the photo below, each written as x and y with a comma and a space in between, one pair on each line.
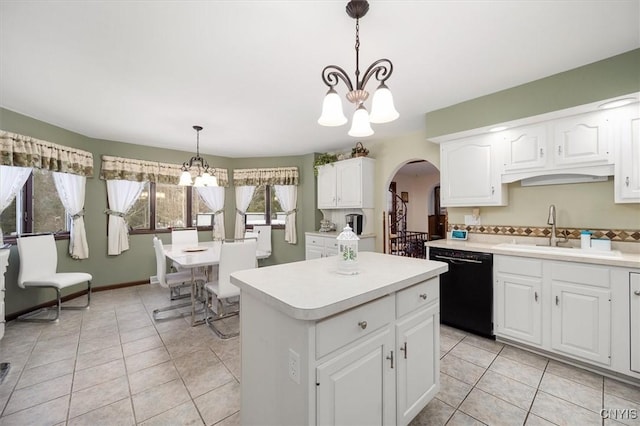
466, 290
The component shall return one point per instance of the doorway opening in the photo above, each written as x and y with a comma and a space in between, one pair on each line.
414, 214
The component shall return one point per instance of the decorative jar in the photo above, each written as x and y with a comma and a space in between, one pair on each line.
347, 252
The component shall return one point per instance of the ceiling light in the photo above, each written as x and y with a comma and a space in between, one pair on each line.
382, 108
617, 103
200, 165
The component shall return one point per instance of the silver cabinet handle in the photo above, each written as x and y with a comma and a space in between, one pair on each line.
362, 324
626, 181
637, 292
559, 149
390, 357
493, 190
541, 152
404, 349
423, 296
557, 300
536, 296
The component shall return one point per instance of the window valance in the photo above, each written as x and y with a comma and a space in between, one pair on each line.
266, 176
120, 168
24, 151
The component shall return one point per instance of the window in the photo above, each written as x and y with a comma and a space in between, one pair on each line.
164, 206
265, 208
36, 208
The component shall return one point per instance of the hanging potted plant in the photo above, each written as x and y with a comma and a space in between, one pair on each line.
359, 150
323, 159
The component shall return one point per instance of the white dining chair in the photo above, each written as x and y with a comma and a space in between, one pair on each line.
38, 269
182, 237
222, 297
171, 280
264, 238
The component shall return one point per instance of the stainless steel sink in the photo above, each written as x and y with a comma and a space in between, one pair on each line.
566, 251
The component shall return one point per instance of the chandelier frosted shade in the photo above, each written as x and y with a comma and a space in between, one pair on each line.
360, 126
382, 108
332, 114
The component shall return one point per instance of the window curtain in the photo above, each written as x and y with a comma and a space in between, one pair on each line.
121, 195
266, 176
288, 197
244, 194
213, 197
71, 190
24, 151
12, 180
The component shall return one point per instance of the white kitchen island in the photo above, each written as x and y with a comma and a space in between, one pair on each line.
323, 348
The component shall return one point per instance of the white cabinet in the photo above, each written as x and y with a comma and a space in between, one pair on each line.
627, 167
358, 386
560, 307
582, 139
418, 345
518, 298
346, 184
525, 148
470, 173
317, 246
634, 320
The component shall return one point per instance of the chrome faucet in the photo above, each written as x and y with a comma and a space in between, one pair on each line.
553, 239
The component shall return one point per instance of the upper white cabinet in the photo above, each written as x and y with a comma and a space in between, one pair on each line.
346, 184
627, 164
470, 172
580, 144
582, 139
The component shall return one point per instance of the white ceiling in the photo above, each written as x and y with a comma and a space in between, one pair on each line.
249, 72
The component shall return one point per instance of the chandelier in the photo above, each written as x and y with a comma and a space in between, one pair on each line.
204, 175
382, 108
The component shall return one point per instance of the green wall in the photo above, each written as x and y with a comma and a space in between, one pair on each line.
138, 263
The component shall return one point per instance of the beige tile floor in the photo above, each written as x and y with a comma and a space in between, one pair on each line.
113, 365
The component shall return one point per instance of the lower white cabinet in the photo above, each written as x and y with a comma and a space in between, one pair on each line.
563, 307
634, 320
581, 321
375, 364
518, 298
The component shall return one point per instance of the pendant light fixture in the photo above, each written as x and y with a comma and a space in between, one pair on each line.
382, 108
204, 176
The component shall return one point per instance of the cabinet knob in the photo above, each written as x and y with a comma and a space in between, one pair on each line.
423, 296
362, 324
559, 149
493, 190
637, 292
541, 152
626, 181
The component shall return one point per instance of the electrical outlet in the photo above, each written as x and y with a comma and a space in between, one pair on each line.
294, 366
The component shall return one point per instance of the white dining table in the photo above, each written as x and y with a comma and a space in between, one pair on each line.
205, 254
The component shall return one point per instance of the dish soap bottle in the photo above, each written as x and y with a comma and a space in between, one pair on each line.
585, 239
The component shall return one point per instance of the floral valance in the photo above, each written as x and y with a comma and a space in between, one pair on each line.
268, 176
119, 168
24, 151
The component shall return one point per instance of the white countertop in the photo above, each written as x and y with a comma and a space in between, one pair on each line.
312, 289
627, 260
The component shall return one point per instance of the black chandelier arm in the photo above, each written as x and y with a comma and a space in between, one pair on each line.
382, 69
332, 74
197, 161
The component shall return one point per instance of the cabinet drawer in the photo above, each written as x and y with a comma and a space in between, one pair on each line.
416, 296
331, 244
518, 266
315, 241
581, 274
346, 327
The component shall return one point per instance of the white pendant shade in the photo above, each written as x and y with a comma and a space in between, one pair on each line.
360, 126
185, 179
199, 182
209, 180
332, 114
382, 108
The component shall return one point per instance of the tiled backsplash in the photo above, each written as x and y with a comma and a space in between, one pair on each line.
622, 235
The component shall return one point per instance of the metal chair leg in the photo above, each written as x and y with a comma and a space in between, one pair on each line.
211, 320
28, 316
